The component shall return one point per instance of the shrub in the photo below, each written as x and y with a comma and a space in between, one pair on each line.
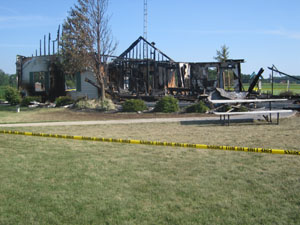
28, 99
12, 95
167, 104
242, 109
286, 94
63, 100
199, 107
105, 105
134, 105
224, 108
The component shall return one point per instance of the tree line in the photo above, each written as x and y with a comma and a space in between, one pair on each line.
246, 78
7, 79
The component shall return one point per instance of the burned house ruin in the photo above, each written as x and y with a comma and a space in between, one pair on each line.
153, 73
142, 70
41, 76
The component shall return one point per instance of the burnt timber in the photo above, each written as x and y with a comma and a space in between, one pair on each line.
153, 73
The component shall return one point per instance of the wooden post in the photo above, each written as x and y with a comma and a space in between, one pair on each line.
45, 45
228, 72
49, 41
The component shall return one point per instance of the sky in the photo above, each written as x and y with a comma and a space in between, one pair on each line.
261, 32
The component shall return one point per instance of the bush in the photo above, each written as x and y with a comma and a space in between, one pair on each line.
12, 95
286, 94
63, 100
242, 109
28, 99
224, 108
105, 105
199, 107
134, 105
167, 104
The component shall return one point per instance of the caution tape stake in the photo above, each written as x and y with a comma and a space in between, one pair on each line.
157, 143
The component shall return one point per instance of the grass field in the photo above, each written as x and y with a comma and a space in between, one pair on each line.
54, 181
278, 88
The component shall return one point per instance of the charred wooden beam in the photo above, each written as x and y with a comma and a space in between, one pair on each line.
111, 93
254, 82
285, 74
134, 44
45, 53
49, 42
92, 83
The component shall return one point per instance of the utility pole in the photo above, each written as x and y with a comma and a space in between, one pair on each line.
145, 46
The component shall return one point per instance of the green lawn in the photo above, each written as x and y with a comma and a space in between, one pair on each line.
55, 181
278, 88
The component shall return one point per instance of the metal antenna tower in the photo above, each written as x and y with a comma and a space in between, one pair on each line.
145, 46
145, 18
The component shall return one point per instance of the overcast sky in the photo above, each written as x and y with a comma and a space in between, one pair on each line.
261, 32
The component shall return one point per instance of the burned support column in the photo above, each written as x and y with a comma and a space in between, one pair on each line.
40, 47
58, 33
254, 82
49, 41
221, 77
44, 44
148, 77
240, 77
272, 81
53, 47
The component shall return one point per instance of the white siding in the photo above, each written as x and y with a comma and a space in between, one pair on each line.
87, 90
36, 64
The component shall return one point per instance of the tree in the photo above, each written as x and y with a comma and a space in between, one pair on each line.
87, 41
4, 78
223, 54
13, 80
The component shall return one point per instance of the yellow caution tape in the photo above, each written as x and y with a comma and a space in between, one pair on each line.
157, 143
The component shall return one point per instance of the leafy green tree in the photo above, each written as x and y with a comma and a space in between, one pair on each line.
13, 80
87, 40
4, 78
